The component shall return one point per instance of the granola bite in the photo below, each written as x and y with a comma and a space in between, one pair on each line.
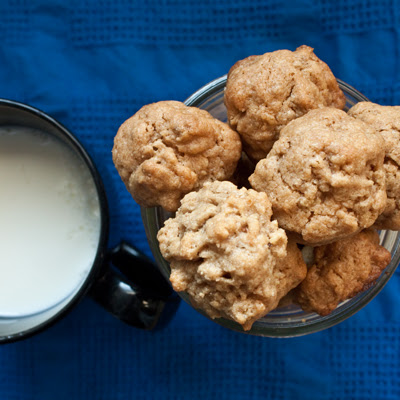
386, 121
168, 149
324, 176
264, 93
227, 254
341, 270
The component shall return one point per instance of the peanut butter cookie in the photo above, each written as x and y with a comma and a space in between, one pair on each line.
264, 93
386, 121
324, 176
341, 270
228, 255
168, 149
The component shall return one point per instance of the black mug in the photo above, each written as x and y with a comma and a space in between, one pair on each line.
122, 280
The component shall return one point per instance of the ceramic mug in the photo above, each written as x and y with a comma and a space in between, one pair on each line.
123, 280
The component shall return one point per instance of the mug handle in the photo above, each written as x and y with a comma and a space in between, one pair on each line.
132, 289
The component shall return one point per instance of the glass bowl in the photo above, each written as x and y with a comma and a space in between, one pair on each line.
290, 320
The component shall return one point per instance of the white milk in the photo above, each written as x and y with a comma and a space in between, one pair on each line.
49, 221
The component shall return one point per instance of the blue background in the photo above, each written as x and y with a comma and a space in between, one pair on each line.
91, 65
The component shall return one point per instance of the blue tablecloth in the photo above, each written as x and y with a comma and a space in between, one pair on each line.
92, 64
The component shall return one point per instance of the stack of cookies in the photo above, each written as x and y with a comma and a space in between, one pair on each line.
290, 169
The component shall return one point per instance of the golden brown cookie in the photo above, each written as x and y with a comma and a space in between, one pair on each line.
168, 149
228, 255
264, 93
324, 176
386, 121
341, 270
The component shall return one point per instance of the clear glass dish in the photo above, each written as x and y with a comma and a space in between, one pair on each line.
291, 320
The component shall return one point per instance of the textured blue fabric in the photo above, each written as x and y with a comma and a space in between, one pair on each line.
92, 64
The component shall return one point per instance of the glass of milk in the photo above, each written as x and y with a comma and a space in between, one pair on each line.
53, 235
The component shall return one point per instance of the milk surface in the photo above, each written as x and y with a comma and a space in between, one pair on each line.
49, 221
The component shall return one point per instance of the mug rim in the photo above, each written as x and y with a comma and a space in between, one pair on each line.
152, 216
98, 260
